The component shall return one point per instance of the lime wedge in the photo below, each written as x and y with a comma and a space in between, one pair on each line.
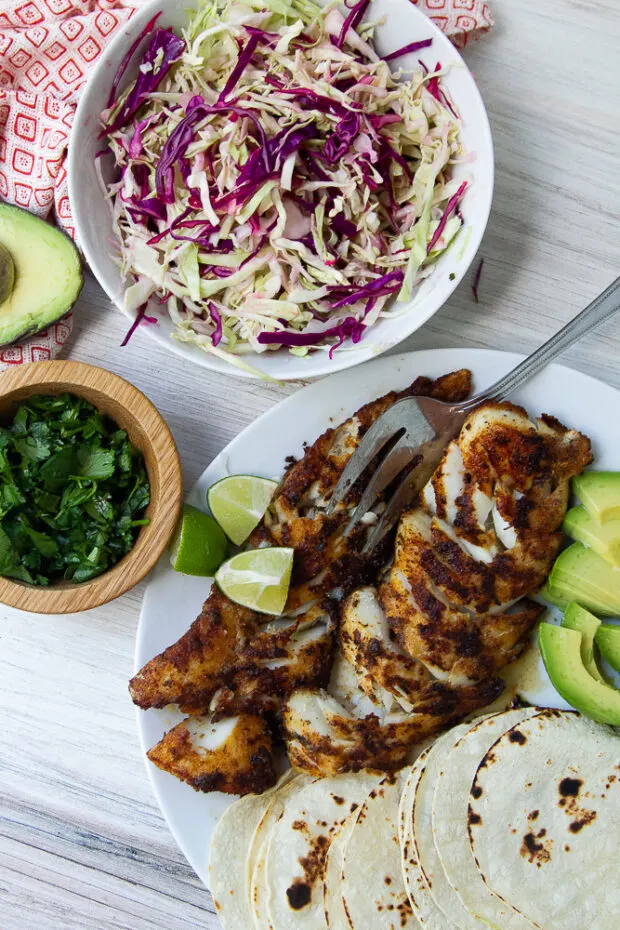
199, 545
258, 579
239, 503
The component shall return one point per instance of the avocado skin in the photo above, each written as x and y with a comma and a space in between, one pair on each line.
48, 275
580, 619
608, 641
561, 652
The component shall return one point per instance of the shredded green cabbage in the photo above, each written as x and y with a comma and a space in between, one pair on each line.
273, 230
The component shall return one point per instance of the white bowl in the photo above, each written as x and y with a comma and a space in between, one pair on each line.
403, 24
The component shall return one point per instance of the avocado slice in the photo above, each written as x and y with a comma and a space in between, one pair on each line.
562, 597
553, 596
608, 641
561, 652
46, 279
604, 538
599, 492
580, 619
579, 574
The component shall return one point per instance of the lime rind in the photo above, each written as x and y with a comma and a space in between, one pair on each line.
199, 546
239, 503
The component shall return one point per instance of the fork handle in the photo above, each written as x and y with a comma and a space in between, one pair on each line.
601, 309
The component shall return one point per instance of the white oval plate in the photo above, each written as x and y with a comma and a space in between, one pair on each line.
403, 24
172, 601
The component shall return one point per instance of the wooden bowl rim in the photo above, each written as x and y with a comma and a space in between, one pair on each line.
165, 481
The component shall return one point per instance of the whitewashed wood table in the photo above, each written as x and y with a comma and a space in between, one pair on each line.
82, 843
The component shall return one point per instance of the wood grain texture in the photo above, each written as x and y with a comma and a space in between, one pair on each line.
132, 411
82, 844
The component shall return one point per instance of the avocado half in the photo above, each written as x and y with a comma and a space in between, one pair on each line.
40, 274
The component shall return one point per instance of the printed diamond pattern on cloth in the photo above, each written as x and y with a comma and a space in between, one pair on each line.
47, 48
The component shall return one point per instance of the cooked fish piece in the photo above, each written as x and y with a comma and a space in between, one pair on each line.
221, 647
190, 671
232, 755
231, 661
325, 738
369, 647
296, 516
484, 537
327, 562
276, 662
427, 551
505, 464
457, 646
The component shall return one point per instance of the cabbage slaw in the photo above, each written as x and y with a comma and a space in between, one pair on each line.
278, 185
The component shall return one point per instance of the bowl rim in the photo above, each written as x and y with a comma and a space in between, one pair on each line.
165, 478
318, 364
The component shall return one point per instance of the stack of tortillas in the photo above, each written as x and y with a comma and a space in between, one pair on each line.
312, 854
511, 822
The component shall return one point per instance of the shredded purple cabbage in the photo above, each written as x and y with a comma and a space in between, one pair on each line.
140, 316
127, 59
352, 21
244, 59
164, 43
350, 328
339, 142
406, 49
217, 320
386, 284
434, 88
180, 138
343, 226
451, 206
389, 151
476, 281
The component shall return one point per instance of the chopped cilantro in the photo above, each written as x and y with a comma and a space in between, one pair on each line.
73, 491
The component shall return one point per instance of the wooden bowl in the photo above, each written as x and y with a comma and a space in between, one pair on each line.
148, 432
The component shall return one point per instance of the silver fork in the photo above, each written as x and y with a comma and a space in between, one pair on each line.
420, 428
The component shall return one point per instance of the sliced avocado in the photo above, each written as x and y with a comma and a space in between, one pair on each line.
580, 619
563, 596
604, 538
599, 492
579, 574
47, 274
553, 596
561, 652
608, 641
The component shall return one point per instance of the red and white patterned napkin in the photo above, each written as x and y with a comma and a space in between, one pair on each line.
47, 48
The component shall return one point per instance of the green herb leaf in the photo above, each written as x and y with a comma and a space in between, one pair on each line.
31, 449
58, 468
95, 463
